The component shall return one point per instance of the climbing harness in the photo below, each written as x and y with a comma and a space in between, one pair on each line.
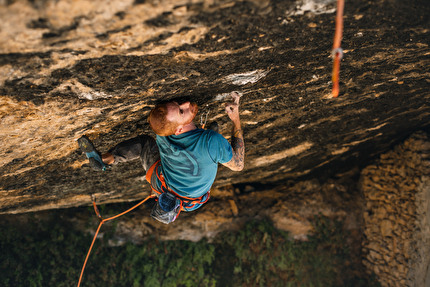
103, 220
337, 51
183, 202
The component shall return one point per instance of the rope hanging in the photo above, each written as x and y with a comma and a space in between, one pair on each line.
337, 52
103, 220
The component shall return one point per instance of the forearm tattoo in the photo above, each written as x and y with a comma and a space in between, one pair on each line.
238, 146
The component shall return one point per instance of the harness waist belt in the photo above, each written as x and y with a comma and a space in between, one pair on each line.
187, 202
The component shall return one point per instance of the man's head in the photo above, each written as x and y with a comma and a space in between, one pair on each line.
170, 118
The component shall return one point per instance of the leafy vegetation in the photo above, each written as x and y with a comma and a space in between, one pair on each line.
51, 253
265, 256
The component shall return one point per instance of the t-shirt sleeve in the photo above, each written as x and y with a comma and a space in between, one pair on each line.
219, 148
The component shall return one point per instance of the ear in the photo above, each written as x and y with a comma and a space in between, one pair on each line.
179, 129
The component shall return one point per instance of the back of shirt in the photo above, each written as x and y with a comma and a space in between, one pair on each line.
189, 161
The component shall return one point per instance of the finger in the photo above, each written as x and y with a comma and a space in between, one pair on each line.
231, 107
236, 96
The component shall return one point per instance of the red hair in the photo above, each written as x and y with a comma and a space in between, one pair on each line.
158, 122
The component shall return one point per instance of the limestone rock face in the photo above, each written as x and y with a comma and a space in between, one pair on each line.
397, 195
69, 68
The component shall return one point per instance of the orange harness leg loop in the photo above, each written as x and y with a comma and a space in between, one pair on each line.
151, 171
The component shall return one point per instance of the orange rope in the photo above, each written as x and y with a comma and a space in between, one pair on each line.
100, 225
337, 50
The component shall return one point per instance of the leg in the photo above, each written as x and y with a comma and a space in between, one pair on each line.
142, 146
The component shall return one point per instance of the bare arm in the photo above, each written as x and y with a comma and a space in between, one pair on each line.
237, 163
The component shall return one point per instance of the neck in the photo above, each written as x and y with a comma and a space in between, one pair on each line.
188, 127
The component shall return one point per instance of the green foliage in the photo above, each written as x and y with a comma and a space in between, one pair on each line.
265, 256
51, 253
40, 255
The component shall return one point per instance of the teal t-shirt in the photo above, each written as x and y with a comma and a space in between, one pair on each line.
189, 161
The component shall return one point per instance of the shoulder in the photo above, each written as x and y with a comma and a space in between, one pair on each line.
212, 134
218, 145
213, 137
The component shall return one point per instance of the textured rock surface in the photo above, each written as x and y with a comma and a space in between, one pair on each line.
69, 68
396, 214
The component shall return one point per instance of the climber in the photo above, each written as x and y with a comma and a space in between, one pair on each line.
182, 162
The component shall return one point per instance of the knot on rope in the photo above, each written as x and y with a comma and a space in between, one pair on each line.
338, 52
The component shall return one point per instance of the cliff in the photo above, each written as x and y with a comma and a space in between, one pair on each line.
396, 214
69, 68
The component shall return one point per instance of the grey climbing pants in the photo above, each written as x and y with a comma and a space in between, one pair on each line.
142, 146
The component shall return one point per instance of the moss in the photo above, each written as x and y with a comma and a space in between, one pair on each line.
51, 253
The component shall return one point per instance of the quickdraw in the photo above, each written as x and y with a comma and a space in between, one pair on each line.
204, 119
